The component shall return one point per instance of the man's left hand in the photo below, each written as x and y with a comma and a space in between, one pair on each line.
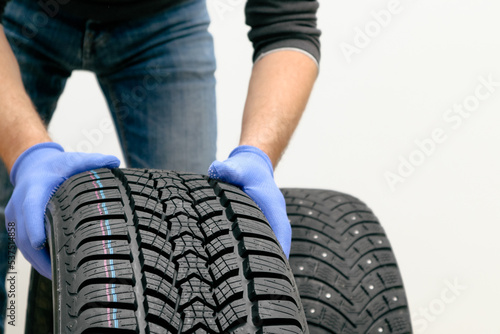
251, 169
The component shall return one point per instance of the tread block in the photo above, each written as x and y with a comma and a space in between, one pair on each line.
110, 318
234, 313
97, 295
269, 288
252, 245
103, 270
264, 312
260, 266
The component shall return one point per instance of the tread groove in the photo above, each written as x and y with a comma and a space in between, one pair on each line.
136, 251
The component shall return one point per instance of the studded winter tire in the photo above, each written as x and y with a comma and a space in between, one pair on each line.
151, 251
344, 266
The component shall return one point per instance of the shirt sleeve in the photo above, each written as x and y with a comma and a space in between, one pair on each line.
283, 24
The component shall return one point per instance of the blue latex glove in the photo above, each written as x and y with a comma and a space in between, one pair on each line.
36, 175
251, 169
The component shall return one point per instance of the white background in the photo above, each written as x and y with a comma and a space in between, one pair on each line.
444, 219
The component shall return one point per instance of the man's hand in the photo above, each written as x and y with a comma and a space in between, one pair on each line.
277, 95
36, 175
251, 169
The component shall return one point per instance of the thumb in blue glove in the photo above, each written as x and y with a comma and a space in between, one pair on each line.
36, 175
251, 169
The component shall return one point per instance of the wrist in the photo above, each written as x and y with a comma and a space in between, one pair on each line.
12, 153
20, 128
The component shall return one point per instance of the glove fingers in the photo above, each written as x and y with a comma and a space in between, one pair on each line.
225, 172
96, 160
80, 162
33, 210
245, 168
272, 204
19, 232
34, 229
37, 197
37, 173
39, 259
282, 230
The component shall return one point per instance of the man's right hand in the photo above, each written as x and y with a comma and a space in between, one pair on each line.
36, 175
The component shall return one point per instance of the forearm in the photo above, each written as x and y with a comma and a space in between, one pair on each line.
20, 125
278, 92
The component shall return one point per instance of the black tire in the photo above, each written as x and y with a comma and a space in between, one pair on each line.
345, 269
39, 311
151, 251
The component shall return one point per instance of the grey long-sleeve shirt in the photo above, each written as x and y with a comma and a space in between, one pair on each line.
275, 24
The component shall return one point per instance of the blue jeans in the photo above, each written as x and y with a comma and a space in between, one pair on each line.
157, 74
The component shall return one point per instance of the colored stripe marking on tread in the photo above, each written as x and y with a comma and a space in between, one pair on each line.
97, 184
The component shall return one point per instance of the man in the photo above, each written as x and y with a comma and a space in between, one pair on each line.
162, 49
